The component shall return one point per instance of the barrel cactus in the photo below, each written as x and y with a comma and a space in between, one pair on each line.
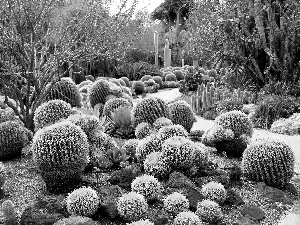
65, 90
148, 110
155, 165
98, 92
60, 152
138, 87
214, 191
147, 145
142, 130
176, 203
270, 161
171, 131
161, 122
170, 77
51, 112
182, 114
13, 137
148, 186
187, 218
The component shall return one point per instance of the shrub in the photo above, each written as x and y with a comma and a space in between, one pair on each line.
148, 186
170, 77
148, 110
270, 161
158, 80
112, 104
179, 152
142, 130
65, 90
51, 112
214, 191
182, 114
176, 203
187, 218
170, 131
161, 122
132, 206
98, 92
126, 80
60, 152
83, 202
155, 165
209, 211
179, 75
138, 87
142, 222
147, 145
13, 137
146, 77
229, 105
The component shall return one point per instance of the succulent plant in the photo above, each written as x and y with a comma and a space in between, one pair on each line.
209, 211
187, 218
176, 203
155, 165
142, 130
214, 191
148, 186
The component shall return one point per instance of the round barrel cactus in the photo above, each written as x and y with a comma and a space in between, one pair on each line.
270, 161
148, 110
65, 90
98, 92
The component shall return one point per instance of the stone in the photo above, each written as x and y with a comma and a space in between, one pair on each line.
252, 212
45, 211
76, 220
233, 198
178, 180
108, 196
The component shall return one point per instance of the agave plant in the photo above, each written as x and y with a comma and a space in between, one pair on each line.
121, 118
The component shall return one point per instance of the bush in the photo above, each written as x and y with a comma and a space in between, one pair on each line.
179, 153
51, 112
161, 122
146, 77
148, 186
182, 114
209, 211
65, 90
214, 191
13, 138
132, 206
170, 77
148, 145
158, 80
155, 165
138, 87
171, 131
112, 104
148, 110
142, 130
176, 203
179, 75
126, 80
98, 92
83, 202
60, 152
269, 161
187, 218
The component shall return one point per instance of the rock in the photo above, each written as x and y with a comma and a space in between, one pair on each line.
178, 180
233, 198
76, 220
253, 212
194, 196
290, 219
123, 177
45, 211
108, 196
274, 194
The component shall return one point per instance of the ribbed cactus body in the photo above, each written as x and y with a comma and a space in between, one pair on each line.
98, 92
65, 90
270, 161
148, 110
182, 114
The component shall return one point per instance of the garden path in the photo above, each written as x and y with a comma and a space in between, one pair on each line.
169, 95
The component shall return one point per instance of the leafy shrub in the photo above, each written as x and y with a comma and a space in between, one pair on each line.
148, 110
98, 92
132, 206
112, 104
187, 218
51, 112
270, 161
142, 130
146, 77
158, 80
182, 114
65, 90
161, 122
147, 145
83, 202
209, 211
179, 75
62, 161
155, 165
138, 87
13, 137
148, 186
289, 126
170, 77
214, 191
171, 131
229, 105
176, 203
